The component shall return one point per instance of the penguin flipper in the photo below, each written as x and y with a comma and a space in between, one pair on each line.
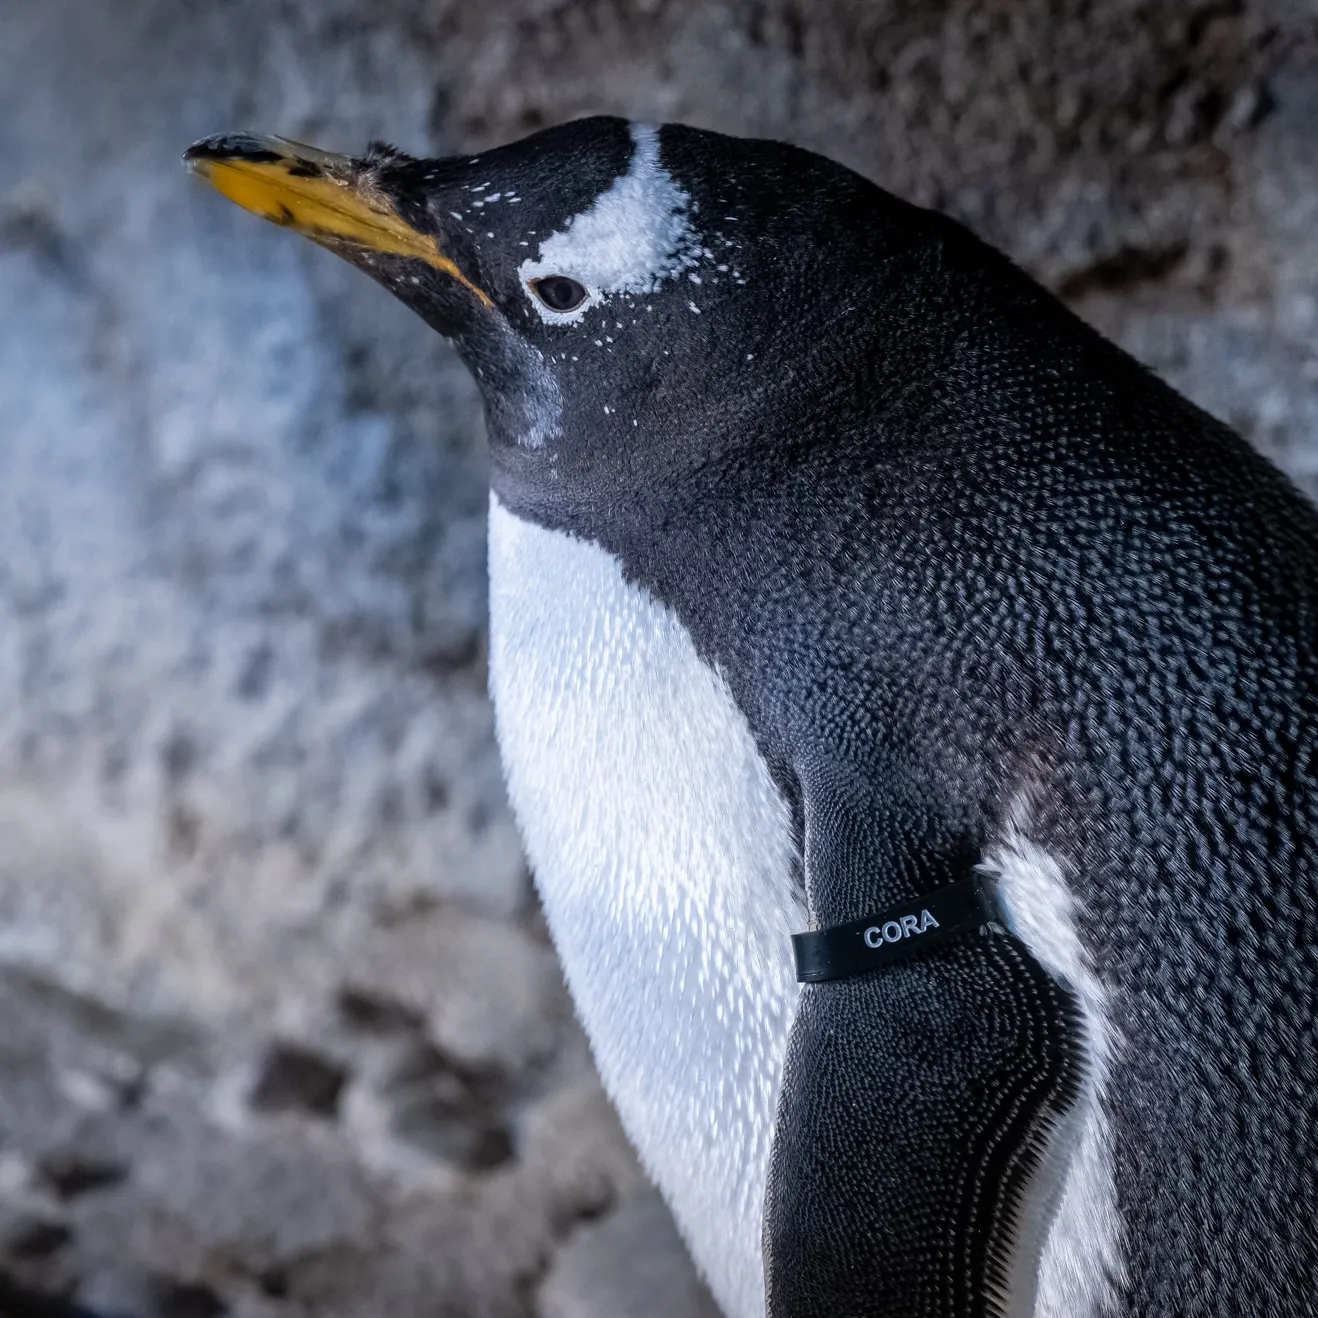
916, 1104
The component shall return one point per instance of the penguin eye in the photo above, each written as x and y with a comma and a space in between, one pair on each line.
559, 293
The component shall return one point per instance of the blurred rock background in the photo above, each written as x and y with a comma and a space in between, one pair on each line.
280, 1031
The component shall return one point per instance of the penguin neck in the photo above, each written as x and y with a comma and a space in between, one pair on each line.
831, 367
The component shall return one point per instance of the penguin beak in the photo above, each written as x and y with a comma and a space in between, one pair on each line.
331, 199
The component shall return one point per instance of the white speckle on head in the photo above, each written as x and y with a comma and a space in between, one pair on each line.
694, 308
664, 855
457, 215
635, 235
1067, 1261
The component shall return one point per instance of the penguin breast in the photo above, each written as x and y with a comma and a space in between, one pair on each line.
664, 857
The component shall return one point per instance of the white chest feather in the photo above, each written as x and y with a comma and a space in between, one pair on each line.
664, 857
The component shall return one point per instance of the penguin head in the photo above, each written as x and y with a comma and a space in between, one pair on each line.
630, 298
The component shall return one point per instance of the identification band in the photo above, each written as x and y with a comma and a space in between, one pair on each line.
891, 935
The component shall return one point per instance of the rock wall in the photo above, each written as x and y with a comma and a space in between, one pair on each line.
280, 1032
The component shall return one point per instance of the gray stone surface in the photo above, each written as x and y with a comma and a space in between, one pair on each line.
627, 1265
279, 1030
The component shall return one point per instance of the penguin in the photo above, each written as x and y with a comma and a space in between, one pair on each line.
908, 703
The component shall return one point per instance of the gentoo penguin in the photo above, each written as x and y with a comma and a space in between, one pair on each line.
909, 704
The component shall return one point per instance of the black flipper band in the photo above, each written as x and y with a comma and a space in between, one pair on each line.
879, 940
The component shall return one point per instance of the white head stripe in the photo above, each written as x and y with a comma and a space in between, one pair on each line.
636, 234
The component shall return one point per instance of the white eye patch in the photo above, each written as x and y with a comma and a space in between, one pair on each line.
634, 236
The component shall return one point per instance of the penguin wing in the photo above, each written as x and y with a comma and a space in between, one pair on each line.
915, 1105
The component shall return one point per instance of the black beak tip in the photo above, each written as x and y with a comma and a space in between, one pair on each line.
231, 146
